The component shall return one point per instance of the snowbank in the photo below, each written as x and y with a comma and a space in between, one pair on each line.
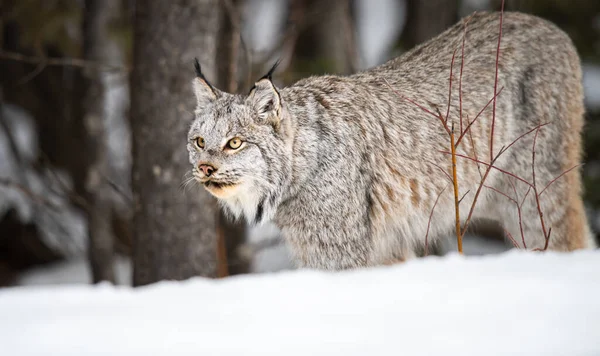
514, 303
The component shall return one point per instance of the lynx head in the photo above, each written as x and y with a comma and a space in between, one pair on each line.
238, 147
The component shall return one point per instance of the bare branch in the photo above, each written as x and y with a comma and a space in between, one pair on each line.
450, 89
462, 65
477, 117
459, 234
488, 165
68, 62
30, 194
496, 83
429, 221
559, 176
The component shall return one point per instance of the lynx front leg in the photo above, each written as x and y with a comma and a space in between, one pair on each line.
318, 246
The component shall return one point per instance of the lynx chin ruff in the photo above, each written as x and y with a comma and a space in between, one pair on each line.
350, 171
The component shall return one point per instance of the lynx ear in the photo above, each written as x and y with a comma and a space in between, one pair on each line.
205, 92
265, 98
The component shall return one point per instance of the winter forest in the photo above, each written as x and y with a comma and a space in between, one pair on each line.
109, 246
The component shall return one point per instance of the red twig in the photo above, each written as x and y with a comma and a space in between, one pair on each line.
496, 84
443, 171
519, 210
526, 133
462, 65
546, 243
475, 199
468, 128
515, 244
437, 116
450, 89
429, 221
548, 239
558, 177
410, 100
488, 165
459, 235
537, 196
501, 193
514, 200
526, 194
474, 152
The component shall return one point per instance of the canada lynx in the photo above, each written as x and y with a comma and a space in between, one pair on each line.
350, 171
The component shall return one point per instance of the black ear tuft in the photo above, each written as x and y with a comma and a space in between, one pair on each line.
269, 75
198, 69
205, 92
200, 75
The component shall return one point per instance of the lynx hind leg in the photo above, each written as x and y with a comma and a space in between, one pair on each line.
563, 215
561, 204
564, 211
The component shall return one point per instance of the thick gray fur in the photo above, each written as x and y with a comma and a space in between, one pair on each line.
350, 170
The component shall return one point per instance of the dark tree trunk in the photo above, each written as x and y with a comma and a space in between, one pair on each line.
326, 38
97, 46
427, 19
174, 230
230, 54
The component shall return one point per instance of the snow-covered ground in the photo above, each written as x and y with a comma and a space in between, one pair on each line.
508, 304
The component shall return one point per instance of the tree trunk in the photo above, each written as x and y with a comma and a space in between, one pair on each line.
230, 234
326, 42
174, 229
98, 46
427, 19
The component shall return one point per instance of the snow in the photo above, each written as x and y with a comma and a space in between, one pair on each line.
61, 226
73, 271
513, 303
591, 86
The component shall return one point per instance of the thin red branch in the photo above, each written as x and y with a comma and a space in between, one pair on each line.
558, 177
488, 165
474, 152
548, 239
459, 234
477, 117
520, 211
527, 133
450, 89
464, 195
429, 221
496, 83
515, 244
437, 116
501, 193
537, 196
525, 197
410, 100
443, 171
479, 188
546, 243
462, 65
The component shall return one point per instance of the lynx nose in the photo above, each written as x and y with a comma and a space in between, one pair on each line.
207, 169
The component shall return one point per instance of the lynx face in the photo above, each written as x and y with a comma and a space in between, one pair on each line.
236, 149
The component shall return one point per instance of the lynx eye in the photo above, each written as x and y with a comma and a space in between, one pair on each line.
199, 142
234, 143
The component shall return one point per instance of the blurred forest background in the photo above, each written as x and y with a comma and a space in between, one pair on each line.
95, 101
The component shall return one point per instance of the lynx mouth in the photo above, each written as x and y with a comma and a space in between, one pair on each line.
221, 189
218, 185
